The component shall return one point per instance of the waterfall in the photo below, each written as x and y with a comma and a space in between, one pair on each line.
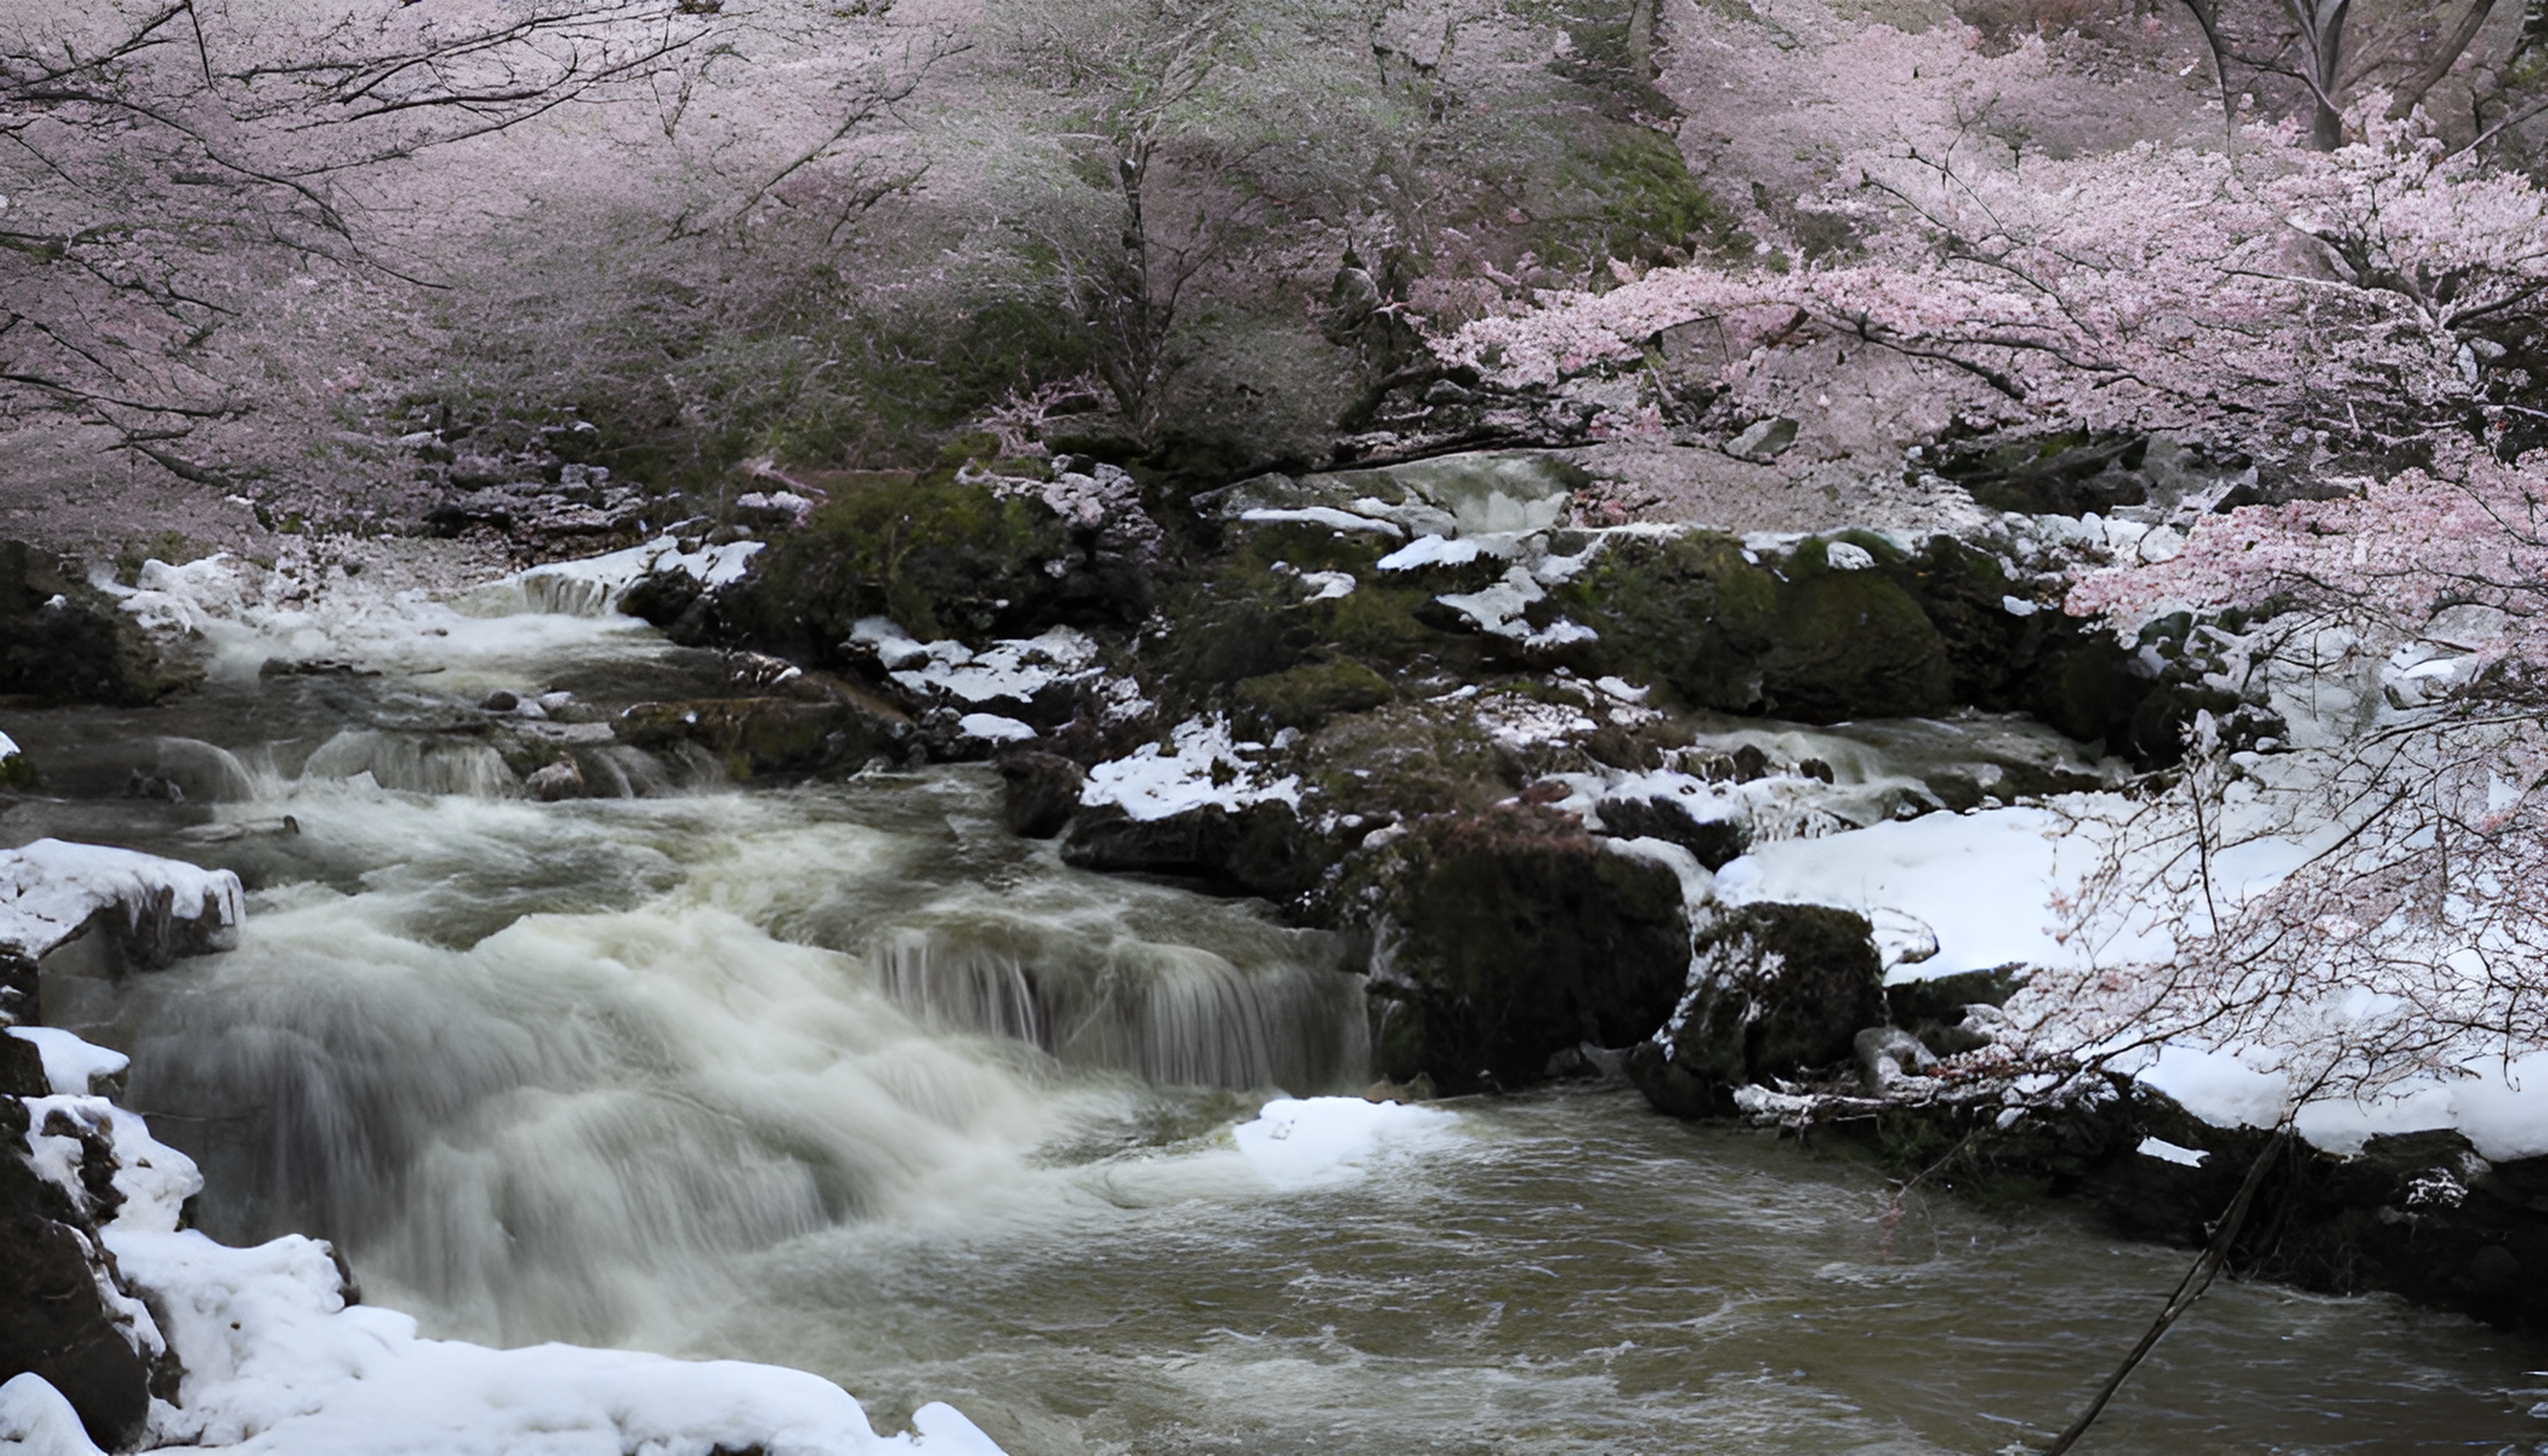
1169, 1014
415, 764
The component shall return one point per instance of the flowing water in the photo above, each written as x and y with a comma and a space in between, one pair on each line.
845, 1077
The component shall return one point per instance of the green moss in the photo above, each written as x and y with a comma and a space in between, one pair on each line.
17, 771
1652, 206
940, 558
1410, 758
1853, 644
1313, 692
1686, 612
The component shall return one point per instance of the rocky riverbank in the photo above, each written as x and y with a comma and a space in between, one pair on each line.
1537, 766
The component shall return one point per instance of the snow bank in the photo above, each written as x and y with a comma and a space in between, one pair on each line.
49, 889
1011, 669
277, 1363
2501, 1107
1300, 1143
1199, 767
1982, 883
35, 1421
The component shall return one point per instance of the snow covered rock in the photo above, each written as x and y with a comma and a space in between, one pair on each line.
152, 910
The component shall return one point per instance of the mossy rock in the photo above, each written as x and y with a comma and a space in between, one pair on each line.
1309, 694
940, 557
17, 771
1410, 759
1686, 612
1773, 990
1851, 644
1515, 936
1238, 620
62, 640
757, 736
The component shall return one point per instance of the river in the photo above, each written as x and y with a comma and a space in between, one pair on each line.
846, 1078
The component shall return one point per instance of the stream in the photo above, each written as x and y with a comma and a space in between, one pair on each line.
846, 1077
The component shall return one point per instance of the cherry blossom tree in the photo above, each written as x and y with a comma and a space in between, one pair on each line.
164, 163
2363, 905
2354, 290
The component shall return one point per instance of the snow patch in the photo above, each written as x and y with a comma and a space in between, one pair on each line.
71, 1065
992, 728
1302, 1142
2168, 1153
1199, 767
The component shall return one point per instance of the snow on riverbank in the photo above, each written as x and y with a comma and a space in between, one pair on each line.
1990, 885
277, 1362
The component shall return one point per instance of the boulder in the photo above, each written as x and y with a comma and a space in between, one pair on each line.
1773, 991
830, 727
1507, 935
562, 779
62, 640
1039, 792
54, 1320
1260, 848
947, 554
1715, 841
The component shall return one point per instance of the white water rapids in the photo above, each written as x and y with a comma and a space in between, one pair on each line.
844, 1077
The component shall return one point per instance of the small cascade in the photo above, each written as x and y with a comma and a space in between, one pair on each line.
616, 770
415, 764
569, 594
985, 992
207, 774
1170, 1013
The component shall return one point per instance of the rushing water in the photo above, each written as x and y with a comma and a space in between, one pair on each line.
846, 1078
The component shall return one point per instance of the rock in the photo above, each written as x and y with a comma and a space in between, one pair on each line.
1764, 440
833, 727
500, 702
1308, 695
1261, 849
54, 1321
1039, 792
62, 640
1507, 935
2069, 473
1887, 1054
1773, 991
558, 780
1851, 644
1715, 841
946, 555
